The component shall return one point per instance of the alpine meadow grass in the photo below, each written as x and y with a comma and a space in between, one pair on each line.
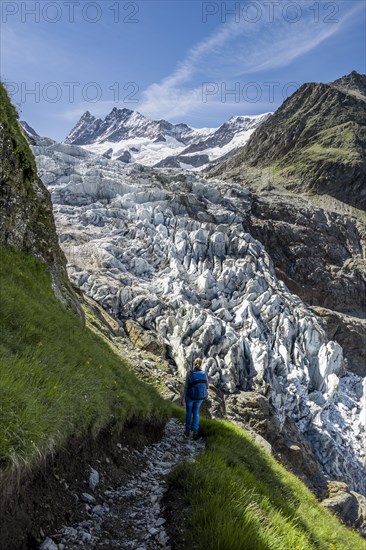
58, 379
239, 497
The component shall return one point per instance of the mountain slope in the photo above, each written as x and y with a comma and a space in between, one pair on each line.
61, 386
44, 345
315, 141
221, 143
170, 251
32, 137
321, 257
58, 381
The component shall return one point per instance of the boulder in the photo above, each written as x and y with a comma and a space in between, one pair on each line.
349, 506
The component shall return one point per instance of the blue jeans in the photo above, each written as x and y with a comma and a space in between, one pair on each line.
192, 408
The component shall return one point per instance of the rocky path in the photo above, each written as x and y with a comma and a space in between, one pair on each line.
130, 516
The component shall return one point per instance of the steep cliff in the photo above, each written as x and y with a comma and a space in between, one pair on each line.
321, 257
26, 218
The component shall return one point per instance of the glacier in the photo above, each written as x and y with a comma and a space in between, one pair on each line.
169, 249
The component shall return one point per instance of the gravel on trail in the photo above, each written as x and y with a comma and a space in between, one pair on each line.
130, 516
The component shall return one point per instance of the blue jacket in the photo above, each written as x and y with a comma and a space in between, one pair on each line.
196, 385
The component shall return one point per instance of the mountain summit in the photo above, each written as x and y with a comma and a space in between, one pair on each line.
315, 141
129, 136
122, 124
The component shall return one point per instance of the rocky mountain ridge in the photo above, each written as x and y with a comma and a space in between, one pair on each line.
220, 144
121, 124
315, 141
129, 136
171, 251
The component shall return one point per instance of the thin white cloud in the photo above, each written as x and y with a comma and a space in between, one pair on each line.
232, 52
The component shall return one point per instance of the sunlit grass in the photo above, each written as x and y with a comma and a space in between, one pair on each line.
239, 497
57, 378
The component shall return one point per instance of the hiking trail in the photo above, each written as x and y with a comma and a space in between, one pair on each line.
130, 516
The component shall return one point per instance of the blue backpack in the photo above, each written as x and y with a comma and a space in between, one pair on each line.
197, 385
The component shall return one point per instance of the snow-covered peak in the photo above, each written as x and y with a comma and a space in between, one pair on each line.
129, 136
219, 143
32, 137
28, 130
121, 125
248, 118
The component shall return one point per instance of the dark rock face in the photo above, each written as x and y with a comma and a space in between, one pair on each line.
175, 161
354, 83
26, 218
321, 257
108, 154
320, 254
144, 339
316, 141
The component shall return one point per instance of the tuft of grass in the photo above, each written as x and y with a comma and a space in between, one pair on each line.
57, 378
240, 498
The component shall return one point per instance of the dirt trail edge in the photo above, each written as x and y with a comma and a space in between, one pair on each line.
129, 516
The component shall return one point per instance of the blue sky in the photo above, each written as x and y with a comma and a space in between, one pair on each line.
185, 61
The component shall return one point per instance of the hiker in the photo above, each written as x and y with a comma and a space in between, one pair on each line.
195, 391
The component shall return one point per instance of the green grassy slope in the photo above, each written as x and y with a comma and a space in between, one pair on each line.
240, 498
57, 378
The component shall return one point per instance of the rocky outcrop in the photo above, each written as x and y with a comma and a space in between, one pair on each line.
32, 137
144, 339
171, 251
349, 506
26, 218
321, 257
316, 141
350, 333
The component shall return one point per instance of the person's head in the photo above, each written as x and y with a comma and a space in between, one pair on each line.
197, 365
